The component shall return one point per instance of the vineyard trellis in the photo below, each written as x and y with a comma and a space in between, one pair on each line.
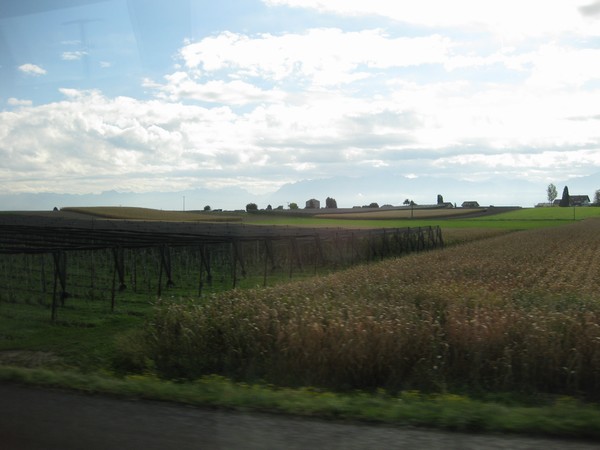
54, 257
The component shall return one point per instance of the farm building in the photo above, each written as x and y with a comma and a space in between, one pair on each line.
579, 200
470, 204
575, 200
313, 204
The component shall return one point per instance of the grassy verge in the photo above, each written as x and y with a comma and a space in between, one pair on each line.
445, 411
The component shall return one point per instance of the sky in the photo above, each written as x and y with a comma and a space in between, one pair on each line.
153, 96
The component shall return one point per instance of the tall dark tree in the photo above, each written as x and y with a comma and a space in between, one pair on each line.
330, 203
250, 207
566, 198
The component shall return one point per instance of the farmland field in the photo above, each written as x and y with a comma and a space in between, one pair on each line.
514, 312
490, 218
515, 308
404, 213
129, 213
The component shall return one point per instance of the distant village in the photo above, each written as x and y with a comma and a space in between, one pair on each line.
330, 203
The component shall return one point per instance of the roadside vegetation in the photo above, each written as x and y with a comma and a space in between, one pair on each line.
499, 333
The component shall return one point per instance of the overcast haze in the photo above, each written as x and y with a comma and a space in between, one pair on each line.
228, 102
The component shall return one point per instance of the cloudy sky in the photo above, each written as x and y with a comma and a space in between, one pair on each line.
149, 95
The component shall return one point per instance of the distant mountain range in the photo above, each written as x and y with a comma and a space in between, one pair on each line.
347, 191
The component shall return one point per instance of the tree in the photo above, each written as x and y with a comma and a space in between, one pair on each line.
374, 205
293, 205
566, 198
552, 194
251, 207
406, 202
597, 198
207, 208
440, 199
269, 208
330, 203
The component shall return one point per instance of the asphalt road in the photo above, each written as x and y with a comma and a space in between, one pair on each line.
39, 419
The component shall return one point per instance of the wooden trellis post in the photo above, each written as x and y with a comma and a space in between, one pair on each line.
268, 256
43, 277
384, 245
237, 256
119, 256
204, 265
60, 276
294, 255
165, 264
319, 252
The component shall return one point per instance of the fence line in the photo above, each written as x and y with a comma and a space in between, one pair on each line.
89, 258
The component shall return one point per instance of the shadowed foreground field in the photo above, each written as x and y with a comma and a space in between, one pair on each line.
511, 319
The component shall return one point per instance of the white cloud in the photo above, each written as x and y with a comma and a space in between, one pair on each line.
502, 116
262, 109
73, 56
510, 19
32, 69
18, 102
557, 161
123, 143
236, 92
325, 57
556, 66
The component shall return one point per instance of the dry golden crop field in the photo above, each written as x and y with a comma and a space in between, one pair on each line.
516, 312
454, 236
556, 260
135, 213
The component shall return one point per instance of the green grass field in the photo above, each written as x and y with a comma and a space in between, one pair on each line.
522, 219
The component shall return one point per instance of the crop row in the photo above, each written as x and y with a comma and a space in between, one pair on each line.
513, 312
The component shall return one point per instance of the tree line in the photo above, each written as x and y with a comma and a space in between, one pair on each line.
565, 200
